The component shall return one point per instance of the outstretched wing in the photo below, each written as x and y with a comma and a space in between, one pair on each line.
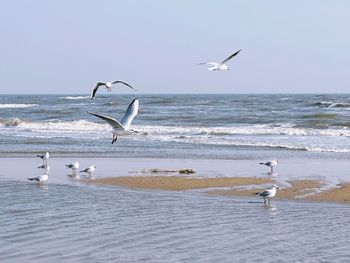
130, 113
208, 63
122, 82
111, 121
227, 59
98, 84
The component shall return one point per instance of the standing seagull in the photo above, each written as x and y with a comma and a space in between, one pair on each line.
268, 194
41, 178
74, 166
270, 164
108, 86
89, 170
122, 127
220, 66
44, 157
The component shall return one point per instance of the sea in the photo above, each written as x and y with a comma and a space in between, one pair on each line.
211, 126
73, 220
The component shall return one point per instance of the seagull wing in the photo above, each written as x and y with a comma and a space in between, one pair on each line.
34, 178
208, 63
130, 113
122, 82
111, 121
265, 193
227, 59
98, 84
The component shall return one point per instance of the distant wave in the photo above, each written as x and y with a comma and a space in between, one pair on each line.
76, 97
14, 106
330, 104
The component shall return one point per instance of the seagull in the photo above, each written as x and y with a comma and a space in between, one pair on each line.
268, 193
74, 166
220, 66
108, 86
41, 178
89, 170
122, 127
270, 164
44, 157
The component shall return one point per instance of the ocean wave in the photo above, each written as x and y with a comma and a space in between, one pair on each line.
15, 106
76, 97
330, 104
246, 130
85, 126
58, 127
297, 146
10, 122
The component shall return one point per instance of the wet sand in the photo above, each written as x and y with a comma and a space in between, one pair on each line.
297, 190
177, 183
309, 190
339, 194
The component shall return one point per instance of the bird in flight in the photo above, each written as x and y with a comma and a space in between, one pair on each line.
122, 127
108, 86
220, 66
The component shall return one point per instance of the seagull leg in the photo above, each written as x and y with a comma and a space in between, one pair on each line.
115, 138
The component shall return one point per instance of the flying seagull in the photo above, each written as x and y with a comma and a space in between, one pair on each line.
220, 66
268, 194
122, 127
44, 157
89, 170
270, 164
41, 178
108, 86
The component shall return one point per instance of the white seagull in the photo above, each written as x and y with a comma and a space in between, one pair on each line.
41, 178
108, 86
270, 164
220, 66
89, 170
122, 127
74, 166
44, 157
268, 194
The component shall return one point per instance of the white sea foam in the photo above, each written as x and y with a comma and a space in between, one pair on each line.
14, 106
247, 130
76, 97
80, 126
64, 127
245, 136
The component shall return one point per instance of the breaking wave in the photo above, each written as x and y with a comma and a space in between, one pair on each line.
76, 97
15, 106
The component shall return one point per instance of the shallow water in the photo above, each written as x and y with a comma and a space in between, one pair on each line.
81, 223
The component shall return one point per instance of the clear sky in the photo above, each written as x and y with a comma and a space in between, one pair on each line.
66, 46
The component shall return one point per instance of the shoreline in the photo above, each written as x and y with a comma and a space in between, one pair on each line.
305, 190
